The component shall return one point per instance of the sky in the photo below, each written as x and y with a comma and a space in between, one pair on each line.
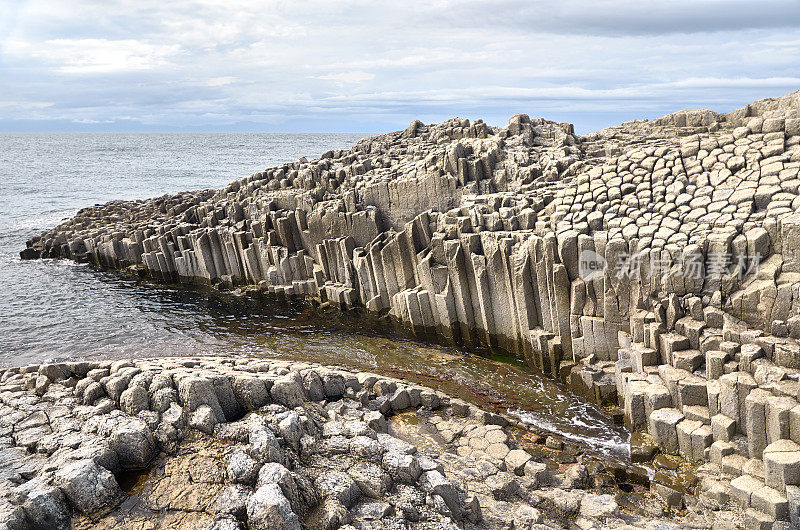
374, 66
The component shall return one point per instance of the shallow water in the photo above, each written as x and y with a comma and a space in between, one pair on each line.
56, 310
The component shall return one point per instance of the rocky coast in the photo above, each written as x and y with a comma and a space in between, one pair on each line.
651, 266
224, 443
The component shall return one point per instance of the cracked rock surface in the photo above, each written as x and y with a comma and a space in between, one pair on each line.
249, 443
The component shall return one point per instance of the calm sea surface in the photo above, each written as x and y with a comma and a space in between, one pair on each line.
56, 310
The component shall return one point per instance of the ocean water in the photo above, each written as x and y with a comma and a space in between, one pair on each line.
57, 310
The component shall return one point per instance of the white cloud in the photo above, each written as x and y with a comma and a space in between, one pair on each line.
221, 81
26, 104
324, 63
94, 56
347, 78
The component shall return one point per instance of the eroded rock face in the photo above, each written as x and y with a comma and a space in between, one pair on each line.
325, 463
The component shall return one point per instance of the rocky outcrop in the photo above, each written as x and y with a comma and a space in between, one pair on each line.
653, 264
318, 447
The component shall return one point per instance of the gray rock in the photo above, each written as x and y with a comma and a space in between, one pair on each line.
89, 488
233, 501
242, 469
163, 398
133, 442
435, 483
401, 466
269, 509
46, 507
264, 445
339, 486
134, 400
225, 522
598, 506
371, 480
203, 419
288, 392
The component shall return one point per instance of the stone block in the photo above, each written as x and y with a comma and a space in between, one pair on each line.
685, 430
782, 464
748, 354
733, 464
771, 502
723, 428
663, 428
689, 360
635, 416
715, 361
742, 489
755, 419
793, 500
778, 418
720, 450
697, 413
656, 397
642, 357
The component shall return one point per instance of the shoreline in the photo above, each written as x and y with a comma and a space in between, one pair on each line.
258, 423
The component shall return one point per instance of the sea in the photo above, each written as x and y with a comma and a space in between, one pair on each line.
56, 310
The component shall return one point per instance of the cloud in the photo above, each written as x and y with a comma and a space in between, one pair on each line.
367, 64
347, 78
221, 81
83, 56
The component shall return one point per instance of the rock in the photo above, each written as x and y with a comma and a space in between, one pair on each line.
526, 517
598, 506
269, 509
339, 486
515, 461
576, 477
233, 501
288, 392
203, 419
435, 483
242, 469
133, 443
371, 480
402, 467
264, 446
134, 400
225, 522
46, 507
89, 488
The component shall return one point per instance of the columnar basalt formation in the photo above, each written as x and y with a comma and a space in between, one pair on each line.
274, 445
655, 264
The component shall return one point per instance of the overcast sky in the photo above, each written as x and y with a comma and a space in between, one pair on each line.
371, 66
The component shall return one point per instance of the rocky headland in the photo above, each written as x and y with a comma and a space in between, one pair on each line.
653, 265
